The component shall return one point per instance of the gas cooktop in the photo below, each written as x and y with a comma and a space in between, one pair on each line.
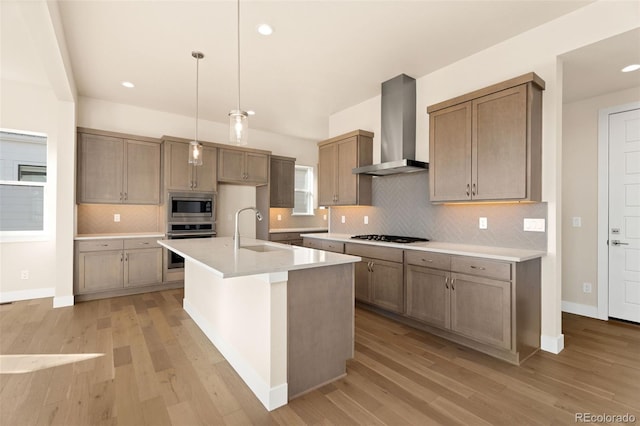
389, 238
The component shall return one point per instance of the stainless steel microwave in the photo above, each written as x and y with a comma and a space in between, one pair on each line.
191, 207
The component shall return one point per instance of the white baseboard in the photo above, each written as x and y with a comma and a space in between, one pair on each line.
553, 344
15, 296
271, 398
63, 301
580, 309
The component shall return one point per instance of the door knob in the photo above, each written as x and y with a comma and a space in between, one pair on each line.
618, 243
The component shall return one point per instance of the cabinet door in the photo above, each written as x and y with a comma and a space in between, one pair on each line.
142, 267
500, 145
387, 285
256, 168
100, 161
362, 280
450, 153
100, 270
481, 309
347, 185
428, 296
282, 182
327, 175
205, 177
231, 165
177, 168
142, 177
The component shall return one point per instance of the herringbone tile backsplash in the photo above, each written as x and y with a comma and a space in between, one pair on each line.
401, 207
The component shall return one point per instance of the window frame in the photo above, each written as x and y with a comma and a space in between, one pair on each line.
308, 190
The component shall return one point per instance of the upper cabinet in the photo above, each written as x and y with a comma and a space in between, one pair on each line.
117, 169
242, 166
182, 176
337, 185
282, 182
487, 145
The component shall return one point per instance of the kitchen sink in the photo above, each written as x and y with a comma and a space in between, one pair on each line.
263, 248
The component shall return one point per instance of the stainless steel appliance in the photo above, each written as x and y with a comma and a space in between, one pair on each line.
189, 215
389, 238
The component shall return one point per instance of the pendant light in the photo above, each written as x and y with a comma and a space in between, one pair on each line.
238, 119
195, 147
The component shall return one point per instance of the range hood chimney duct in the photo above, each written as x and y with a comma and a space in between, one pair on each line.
398, 139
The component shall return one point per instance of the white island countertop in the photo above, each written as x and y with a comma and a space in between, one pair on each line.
487, 252
219, 255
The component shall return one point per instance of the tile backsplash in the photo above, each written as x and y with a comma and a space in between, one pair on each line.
401, 207
98, 218
290, 221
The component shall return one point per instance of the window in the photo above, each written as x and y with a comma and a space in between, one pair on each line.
23, 175
303, 203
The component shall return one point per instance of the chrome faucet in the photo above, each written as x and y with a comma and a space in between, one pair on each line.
236, 234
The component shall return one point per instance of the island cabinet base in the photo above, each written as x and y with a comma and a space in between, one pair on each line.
284, 333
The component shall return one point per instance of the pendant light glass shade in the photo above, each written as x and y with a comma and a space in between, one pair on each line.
195, 147
195, 153
238, 127
238, 119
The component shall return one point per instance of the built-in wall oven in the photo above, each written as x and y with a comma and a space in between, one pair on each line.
189, 215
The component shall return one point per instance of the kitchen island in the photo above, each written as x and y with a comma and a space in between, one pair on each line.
281, 315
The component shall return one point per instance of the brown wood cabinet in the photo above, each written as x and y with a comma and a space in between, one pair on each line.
179, 175
337, 157
487, 145
115, 168
490, 305
379, 276
116, 264
245, 167
282, 182
291, 238
326, 245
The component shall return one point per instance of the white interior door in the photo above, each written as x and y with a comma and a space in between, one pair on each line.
624, 215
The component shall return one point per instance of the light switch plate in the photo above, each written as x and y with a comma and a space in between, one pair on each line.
366, 220
344, 219
279, 217
534, 225
116, 217
482, 223
576, 221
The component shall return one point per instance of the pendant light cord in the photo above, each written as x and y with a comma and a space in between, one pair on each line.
197, 98
238, 15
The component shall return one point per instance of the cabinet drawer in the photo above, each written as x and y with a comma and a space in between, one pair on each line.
312, 243
284, 236
376, 252
333, 246
428, 259
99, 245
481, 267
141, 243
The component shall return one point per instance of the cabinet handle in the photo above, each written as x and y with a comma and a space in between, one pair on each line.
468, 190
427, 260
121, 257
453, 281
103, 245
126, 257
473, 191
144, 244
480, 268
372, 265
121, 196
446, 282
125, 196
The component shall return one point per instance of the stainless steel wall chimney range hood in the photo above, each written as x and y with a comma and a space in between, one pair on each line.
398, 139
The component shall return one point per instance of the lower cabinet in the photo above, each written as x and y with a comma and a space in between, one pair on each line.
111, 265
326, 245
379, 276
428, 295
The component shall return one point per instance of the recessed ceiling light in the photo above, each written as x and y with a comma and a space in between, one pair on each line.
128, 84
632, 67
250, 112
265, 29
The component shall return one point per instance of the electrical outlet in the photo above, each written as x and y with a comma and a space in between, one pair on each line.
482, 223
586, 287
279, 217
343, 220
366, 220
116, 217
534, 225
24, 274
324, 217
576, 222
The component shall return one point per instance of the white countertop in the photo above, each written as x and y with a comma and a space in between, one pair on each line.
122, 236
277, 230
487, 252
219, 255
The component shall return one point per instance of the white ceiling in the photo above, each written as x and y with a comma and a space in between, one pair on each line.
323, 56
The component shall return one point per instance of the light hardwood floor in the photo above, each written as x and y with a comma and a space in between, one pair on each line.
158, 368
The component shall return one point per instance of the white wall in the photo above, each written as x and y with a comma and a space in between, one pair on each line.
536, 50
580, 198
